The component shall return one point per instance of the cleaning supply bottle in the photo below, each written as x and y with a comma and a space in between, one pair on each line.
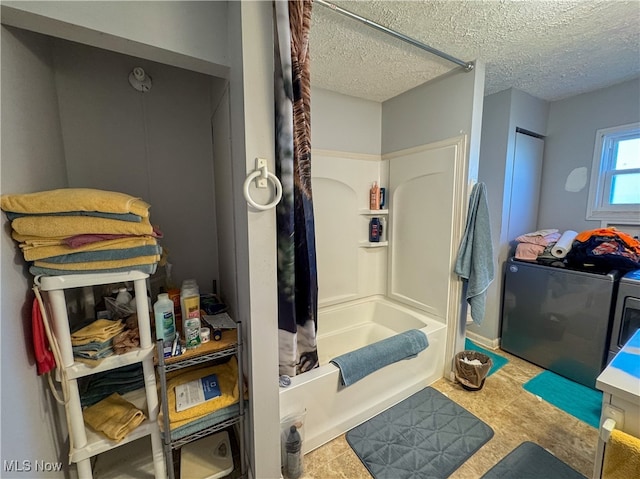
374, 197
293, 448
123, 296
165, 318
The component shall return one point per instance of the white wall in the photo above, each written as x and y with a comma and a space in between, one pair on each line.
571, 135
253, 132
32, 160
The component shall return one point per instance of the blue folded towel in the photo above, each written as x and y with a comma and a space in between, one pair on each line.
361, 362
143, 268
105, 255
475, 257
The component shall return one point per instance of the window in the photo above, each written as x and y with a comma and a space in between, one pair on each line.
614, 193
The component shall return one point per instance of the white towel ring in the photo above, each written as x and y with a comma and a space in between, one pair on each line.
259, 174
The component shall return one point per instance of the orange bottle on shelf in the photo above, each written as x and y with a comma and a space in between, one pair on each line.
374, 197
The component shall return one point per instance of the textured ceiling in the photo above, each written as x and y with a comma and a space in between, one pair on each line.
549, 49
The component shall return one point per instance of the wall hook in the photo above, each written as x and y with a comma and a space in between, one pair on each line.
261, 174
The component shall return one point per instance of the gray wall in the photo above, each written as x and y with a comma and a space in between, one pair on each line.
155, 145
503, 113
345, 123
437, 110
571, 135
569, 127
32, 160
187, 34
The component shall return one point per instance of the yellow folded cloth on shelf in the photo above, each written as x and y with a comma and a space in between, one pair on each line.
99, 331
94, 265
621, 456
37, 241
227, 374
49, 226
33, 253
74, 199
114, 416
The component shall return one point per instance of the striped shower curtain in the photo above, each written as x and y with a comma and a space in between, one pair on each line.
297, 277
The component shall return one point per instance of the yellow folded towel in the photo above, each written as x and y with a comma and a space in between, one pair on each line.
48, 226
621, 456
74, 199
100, 330
114, 417
37, 241
94, 265
227, 374
33, 253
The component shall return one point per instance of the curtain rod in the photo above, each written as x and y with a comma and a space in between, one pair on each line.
468, 66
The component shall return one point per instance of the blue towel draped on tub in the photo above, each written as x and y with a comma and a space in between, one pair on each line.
361, 362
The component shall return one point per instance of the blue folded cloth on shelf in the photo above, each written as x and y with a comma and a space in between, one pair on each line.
143, 268
97, 214
105, 255
359, 363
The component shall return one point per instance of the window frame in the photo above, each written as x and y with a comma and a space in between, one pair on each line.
598, 206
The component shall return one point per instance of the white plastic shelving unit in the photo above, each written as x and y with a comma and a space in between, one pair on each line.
87, 443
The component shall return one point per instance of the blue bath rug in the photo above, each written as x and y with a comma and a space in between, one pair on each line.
530, 461
573, 398
498, 361
427, 436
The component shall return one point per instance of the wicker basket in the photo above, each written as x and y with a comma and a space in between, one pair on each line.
470, 376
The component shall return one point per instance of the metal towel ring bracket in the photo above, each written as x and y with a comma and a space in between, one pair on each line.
261, 175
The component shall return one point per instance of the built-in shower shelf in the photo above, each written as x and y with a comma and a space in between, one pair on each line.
373, 212
369, 244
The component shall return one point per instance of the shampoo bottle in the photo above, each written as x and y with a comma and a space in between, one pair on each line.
374, 230
374, 197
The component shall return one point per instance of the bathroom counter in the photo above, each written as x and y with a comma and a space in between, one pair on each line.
621, 378
620, 385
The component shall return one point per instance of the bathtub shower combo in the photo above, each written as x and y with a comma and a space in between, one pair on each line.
373, 291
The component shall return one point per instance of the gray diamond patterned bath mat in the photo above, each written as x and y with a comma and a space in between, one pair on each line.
426, 436
530, 461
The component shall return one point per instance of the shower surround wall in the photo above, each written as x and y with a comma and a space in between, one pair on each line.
426, 179
444, 113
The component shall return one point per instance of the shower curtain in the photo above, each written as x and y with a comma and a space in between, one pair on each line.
297, 276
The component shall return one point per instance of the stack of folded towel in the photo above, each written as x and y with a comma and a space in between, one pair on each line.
83, 230
95, 341
96, 387
114, 417
532, 245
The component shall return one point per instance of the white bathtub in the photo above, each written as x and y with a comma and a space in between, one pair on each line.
331, 409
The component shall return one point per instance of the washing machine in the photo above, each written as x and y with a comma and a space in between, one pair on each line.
626, 319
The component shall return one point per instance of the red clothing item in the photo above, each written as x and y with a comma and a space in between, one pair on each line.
41, 348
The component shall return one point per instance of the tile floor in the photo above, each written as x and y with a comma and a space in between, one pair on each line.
514, 414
